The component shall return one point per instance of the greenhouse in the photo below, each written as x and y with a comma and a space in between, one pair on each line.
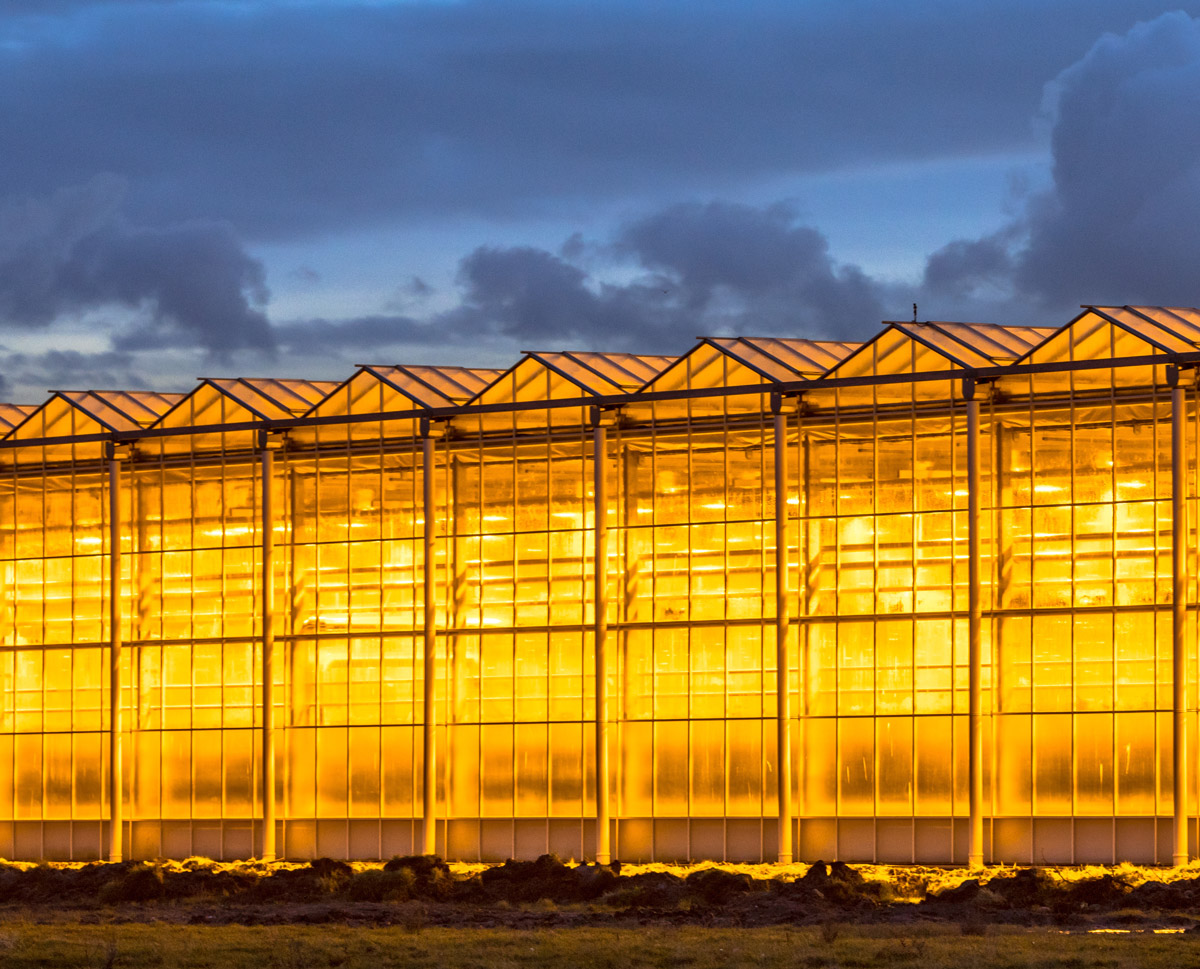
926, 598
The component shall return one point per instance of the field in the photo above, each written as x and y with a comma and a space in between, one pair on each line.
342, 947
422, 912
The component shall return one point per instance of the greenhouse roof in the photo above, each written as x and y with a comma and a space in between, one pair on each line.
12, 414
729, 361
540, 375
102, 410
1139, 339
431, 386
270, 398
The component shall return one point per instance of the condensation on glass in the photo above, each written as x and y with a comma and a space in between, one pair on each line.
1075, 565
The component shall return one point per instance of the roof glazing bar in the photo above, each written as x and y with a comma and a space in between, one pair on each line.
1188, 359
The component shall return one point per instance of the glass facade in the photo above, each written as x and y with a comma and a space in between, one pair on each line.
1059, 599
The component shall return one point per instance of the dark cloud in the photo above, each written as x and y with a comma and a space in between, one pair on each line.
696, 269
1121, 222
969, 267
73, 252
35, 373
309, 117
529, 294
355, 335
481, 106
757, 268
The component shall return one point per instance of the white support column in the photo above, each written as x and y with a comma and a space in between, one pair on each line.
600, 631
974, 634
267, 539
429, 627
116, 793
783, 734
1179, 584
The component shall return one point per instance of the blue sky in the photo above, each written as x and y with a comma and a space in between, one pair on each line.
223, 187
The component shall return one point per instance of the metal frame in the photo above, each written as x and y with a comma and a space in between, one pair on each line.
632, 414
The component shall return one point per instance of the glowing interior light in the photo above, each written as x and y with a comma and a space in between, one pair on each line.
878, 601
232, 531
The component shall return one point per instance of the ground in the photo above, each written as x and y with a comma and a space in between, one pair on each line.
421, 912
352, 947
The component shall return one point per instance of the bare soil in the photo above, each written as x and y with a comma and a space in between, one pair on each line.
417, 892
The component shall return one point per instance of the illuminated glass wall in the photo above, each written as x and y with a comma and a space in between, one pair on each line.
695, 544
883, 552
1075, 577
54, 699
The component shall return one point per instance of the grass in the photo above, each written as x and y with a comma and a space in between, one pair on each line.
131, 946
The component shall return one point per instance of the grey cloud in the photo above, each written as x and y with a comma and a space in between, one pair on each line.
510, 298
527, 293
38, 242
1121, 222
408, 295
308, 117
969, 267
697, 268
780, 274
74, 251
27, 377
356, 335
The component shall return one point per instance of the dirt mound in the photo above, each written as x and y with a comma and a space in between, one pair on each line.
415, 888
1039, 890
546, 878
1169, 897
715, 886
836, 885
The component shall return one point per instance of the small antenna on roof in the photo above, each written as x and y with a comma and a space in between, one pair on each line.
914, 312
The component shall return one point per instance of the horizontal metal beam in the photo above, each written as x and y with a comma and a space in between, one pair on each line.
794, 387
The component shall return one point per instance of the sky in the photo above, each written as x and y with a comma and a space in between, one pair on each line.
293, 187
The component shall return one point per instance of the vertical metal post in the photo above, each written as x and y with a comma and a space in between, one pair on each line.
632, 577
600, 632
116, 793
267, 529
1179, 579
808, 551
974, 634
429, 726
456, 604
783, 734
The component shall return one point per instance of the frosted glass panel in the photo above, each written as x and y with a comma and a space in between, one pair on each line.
1074, 587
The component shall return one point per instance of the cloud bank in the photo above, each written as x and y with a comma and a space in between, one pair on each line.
1118, 222
190, 283
699, 269
307, 117
1121, 222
